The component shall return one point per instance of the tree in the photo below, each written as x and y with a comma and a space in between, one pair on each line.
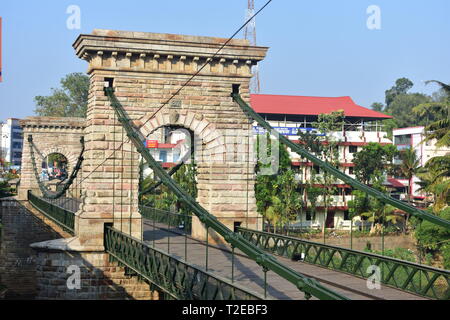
70, 101
326, 124
435, 238
275, 194
402, 86
372, 163
186, 179
377, 106
409, 166
439, 112
434, 179
311, 142
372, 160
401, 108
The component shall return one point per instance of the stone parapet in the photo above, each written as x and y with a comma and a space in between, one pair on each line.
63, 273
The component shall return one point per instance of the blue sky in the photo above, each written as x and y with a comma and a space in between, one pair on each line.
317, 48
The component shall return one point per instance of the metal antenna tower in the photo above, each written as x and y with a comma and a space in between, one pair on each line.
250, 34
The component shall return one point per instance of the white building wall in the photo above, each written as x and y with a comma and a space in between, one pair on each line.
11, 142
425, 151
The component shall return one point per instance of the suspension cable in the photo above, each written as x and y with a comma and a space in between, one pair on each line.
305, 284
339, 174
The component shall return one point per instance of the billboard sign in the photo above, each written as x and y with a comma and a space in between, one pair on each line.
151, 144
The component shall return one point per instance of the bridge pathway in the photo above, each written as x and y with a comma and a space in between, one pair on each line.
249, 274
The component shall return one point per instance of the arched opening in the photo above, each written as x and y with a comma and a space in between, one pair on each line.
54, 167
173, 148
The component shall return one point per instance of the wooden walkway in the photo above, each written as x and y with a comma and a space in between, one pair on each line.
250, 275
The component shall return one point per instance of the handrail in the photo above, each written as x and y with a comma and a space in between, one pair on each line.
337, 173
63, 217
309, 286
175, 277
69, 182
164, 216
409, 276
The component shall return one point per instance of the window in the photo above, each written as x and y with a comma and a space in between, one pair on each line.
353, 149
403, 139
17, 154
308, 215
346, 215
17, 145
316, 169
351, 170
163, 155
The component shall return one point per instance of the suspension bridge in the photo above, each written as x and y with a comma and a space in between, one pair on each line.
144, 81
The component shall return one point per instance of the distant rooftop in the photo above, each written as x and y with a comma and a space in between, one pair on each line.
304, 105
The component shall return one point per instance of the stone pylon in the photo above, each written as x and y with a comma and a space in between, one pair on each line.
146, 69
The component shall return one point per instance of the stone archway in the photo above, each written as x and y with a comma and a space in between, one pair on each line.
50, 135
70, 156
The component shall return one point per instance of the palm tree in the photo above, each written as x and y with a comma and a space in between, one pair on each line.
440, 111
434, 179
408, 168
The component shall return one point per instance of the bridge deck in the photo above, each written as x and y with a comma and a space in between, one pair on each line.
248, 274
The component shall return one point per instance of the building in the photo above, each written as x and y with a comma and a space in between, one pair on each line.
413, 137
11, 143
289, 114
167, 145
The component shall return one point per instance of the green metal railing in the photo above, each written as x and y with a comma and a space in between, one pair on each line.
178, 279
339, 174
61, 216
416, 278
309, 286
167, 217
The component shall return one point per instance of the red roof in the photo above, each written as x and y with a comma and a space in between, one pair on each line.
301, 105
395, 183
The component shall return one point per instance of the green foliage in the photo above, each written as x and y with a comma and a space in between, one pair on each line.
56, 157
70, 101
186, 178
435, 239
276, 195
329, 152
372, 163
163, 198
410, 163
373, 160
445, 251
439, 111
402, 86
4, 189
431, 236
401, 108
377, 106
434, 179
397, 253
